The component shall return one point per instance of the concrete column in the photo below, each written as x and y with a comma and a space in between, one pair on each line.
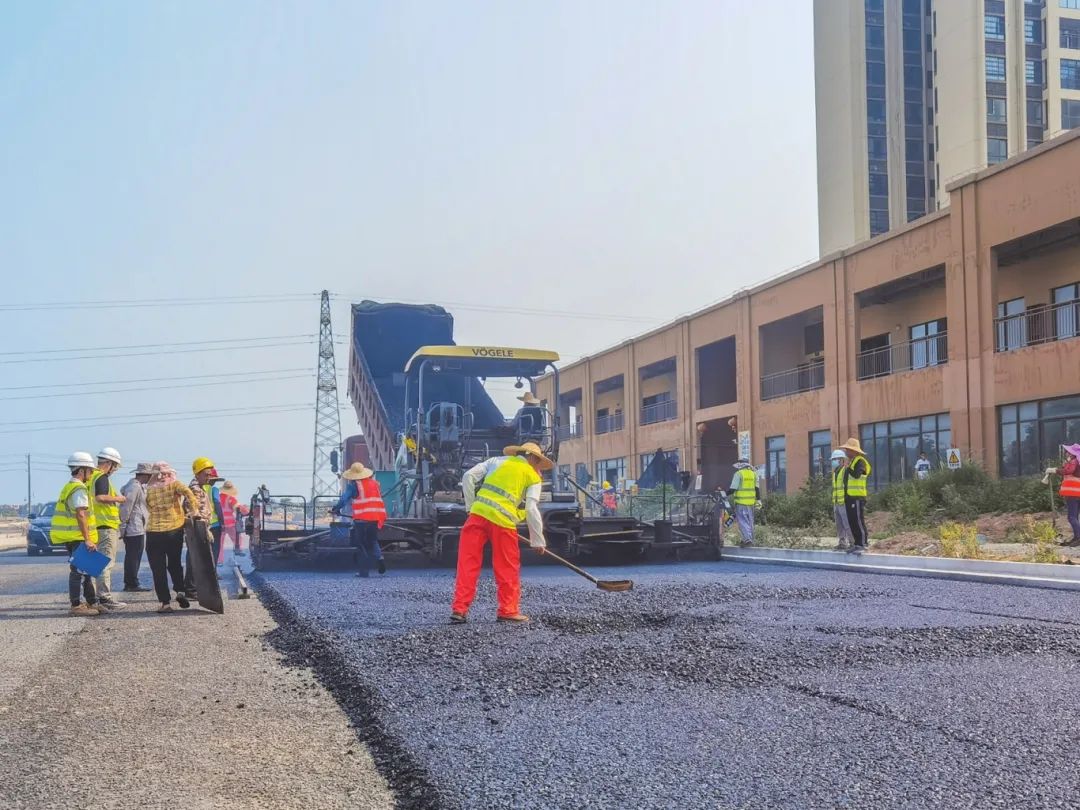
685, 375
631, 405
843, 348
589, 416
894, 111
748, 362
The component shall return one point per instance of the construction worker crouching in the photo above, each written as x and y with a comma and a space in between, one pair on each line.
73, 523
839, 461
363, 498
106, 503
856, 475
499, 494
746, 495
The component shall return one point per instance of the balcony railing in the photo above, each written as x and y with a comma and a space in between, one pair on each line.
914, 354
572, 431
806, 377
609, 424
659, 412
1042, 325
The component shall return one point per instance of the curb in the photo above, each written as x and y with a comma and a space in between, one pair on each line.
1030, 575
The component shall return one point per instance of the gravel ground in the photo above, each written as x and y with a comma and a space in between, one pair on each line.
144, 711
710, 685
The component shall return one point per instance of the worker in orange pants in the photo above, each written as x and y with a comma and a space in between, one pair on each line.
499, 494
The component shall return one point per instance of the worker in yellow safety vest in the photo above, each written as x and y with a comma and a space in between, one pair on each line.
746, 496
106, 503
857, 474
838, 461
73, 523
500, 493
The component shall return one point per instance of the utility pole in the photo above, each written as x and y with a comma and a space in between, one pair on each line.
327, 417
29, 502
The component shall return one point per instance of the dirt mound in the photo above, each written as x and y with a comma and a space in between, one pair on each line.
907, 543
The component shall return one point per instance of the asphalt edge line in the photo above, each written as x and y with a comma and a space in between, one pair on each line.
316, 649
1016, 580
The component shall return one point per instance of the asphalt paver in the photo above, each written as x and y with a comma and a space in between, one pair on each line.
709, 685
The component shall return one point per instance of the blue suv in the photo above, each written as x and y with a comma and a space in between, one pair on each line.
37, 533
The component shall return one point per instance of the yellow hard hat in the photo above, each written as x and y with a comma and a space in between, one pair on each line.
607, 485
200, 464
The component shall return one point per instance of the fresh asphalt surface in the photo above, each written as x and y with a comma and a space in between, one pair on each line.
710, 685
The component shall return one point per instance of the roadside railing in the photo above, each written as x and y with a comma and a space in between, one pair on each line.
907, 356
807, 377
660, 412
1042, 325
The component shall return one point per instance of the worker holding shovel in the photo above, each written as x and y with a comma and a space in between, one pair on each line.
499, 494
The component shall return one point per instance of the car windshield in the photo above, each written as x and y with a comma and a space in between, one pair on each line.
48, 509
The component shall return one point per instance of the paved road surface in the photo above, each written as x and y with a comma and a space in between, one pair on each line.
711, 685
189, 711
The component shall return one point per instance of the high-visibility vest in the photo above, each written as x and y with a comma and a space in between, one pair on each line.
838, 483
856, 487
746, 493
107, 515
609, 499
209, 490
1070, 487
368, 504
228, 510
64, 527
501, 497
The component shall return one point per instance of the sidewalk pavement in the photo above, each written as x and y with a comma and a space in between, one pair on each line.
139, 710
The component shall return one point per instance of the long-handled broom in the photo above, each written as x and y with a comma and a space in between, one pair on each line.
602, 584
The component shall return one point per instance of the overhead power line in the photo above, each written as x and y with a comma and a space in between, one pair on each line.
169, 352
123, 417
181, 343
168, 387
229, 374
201, 416
132, 303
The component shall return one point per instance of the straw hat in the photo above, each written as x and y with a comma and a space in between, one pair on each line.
1072, 449
229, 488
530, 449
852, 445
529, 398
357, 472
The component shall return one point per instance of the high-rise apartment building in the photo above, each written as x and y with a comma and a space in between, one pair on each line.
914, 93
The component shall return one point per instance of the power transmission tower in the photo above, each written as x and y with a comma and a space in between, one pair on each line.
327, 417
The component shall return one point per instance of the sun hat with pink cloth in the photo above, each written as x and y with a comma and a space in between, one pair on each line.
163, 474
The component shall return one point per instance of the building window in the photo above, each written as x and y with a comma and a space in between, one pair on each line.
776, 463
646, 459
995, 110
995, 68
997, 150
657, 408
564, 471
879, 222
1066, 303
612, 470
928, 344
1070, 74
1032, 434
1011, 325
879, 185
1069, 31
1035, 113
820, 450
1033, 32
994, 26
894, 447
1070, 113
608, 422
1033, 72
1073, 4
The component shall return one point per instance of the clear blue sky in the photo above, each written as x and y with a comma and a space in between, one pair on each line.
638, 159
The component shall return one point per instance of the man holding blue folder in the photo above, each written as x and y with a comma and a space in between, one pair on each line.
73, 523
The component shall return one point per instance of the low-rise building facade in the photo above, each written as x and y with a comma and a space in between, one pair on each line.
959, 330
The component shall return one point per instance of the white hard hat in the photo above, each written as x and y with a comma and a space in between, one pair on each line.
110, 454
838, 454
80, 459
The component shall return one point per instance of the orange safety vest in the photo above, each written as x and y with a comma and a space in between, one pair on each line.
368, 505
1070, 487
609, 500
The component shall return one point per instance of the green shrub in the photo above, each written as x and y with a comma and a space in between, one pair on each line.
911, 508
810, 507
959, 540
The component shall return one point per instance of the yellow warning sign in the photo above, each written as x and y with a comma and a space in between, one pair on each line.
953, 458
